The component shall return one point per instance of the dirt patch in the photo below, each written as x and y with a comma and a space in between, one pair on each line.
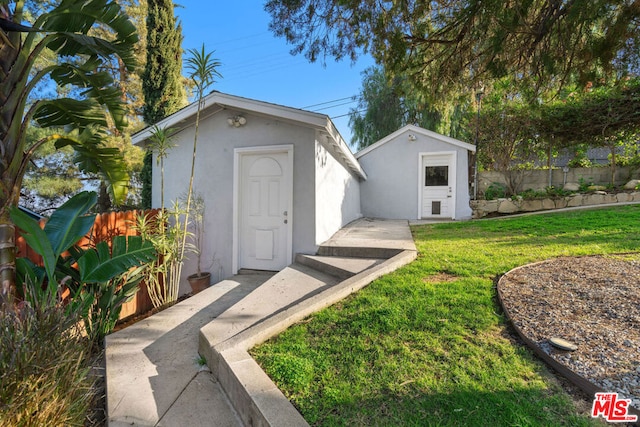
440, 278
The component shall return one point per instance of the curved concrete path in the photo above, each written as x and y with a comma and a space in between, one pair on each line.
154, 377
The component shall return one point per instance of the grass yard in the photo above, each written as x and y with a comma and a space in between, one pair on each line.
428, 344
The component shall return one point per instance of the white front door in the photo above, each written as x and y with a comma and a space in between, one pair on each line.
264, 223
438, 186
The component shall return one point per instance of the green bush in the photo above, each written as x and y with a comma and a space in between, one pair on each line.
44, 367
551, 192
495, 191
556, 192
531, 194
584, 185
101, 278
580, 162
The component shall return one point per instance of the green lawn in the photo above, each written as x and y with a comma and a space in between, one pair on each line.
428, 344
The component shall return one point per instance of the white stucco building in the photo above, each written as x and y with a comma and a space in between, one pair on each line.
415, 173
277, 181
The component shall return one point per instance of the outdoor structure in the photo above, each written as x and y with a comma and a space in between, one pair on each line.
277, 181
415, 173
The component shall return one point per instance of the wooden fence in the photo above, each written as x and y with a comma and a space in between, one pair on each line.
105, 227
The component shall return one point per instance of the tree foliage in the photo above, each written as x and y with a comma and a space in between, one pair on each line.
595, 113
384, 106
513, 133
52, 176
453, 44
163, 88
93, 102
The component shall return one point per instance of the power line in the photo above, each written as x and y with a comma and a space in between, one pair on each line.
334, 106
329, 102
348, 114
247, 74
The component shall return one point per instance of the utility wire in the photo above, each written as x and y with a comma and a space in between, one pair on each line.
329, 102
348, 114
334, 106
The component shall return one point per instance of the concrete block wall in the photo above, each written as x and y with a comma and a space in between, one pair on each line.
483, 208
538, 179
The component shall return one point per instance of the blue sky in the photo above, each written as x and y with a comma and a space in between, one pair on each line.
256, 64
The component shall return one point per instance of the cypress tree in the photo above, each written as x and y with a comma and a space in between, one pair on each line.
162, 85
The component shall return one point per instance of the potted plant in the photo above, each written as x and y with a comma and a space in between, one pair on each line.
201, 279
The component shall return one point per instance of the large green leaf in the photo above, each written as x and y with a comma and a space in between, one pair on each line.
82, 75
36, 238
110, 164
70, 222
80, 113
72, 20
100, 265
92, 157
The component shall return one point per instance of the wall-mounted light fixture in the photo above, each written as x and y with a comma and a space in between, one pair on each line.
412, 137
237, 121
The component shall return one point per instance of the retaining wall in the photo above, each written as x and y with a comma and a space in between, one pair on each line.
482, 208
538, 179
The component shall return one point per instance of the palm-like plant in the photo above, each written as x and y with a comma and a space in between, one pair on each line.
80, 68
203, 71
169, 230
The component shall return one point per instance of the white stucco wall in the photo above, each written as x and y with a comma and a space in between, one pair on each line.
214, 180
391, 190
337, 194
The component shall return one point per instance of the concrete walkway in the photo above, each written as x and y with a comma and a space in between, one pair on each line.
156, 374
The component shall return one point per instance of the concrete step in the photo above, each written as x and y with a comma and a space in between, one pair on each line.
340, 267
286, 288
357, 252
369, 238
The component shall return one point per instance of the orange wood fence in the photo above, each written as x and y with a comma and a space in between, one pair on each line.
105, 227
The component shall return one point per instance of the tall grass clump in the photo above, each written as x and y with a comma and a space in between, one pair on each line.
44, 366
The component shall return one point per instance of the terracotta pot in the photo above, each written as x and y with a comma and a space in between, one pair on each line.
199, 282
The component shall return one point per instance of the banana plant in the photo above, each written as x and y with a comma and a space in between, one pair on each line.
101, 277
66, 226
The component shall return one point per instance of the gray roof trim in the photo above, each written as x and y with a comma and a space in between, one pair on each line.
420, 131
321, 122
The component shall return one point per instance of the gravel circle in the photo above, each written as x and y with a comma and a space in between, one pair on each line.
591, 301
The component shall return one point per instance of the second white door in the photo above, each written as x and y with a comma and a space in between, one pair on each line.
438, 186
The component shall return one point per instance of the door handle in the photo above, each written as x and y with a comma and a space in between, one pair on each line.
285, 213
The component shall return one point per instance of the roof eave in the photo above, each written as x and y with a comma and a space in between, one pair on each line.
341, 149
234, 102
419, 130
